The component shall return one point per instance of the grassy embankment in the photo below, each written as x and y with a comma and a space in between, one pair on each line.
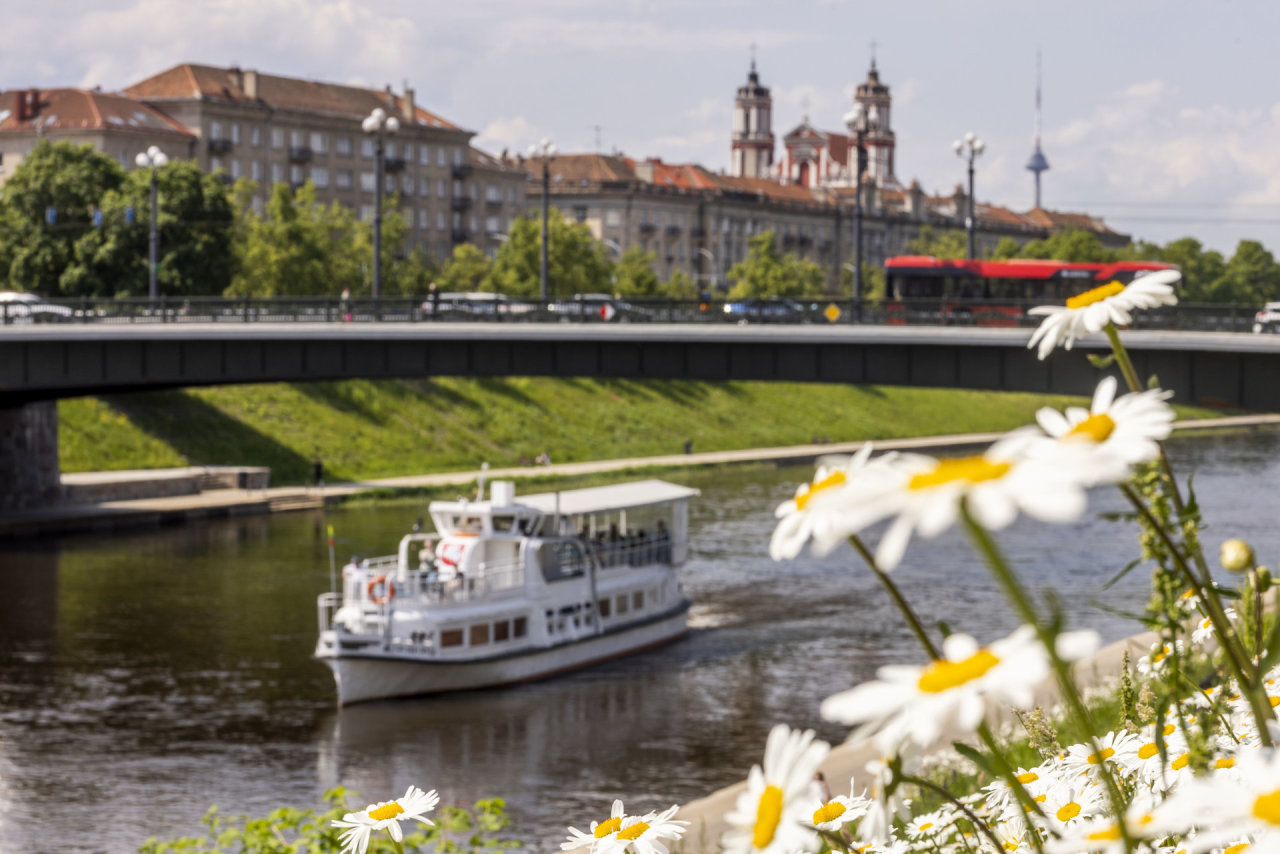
367, 429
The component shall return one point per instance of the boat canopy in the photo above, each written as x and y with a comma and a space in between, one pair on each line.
608, 499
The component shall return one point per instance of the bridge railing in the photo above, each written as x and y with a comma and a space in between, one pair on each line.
587, 309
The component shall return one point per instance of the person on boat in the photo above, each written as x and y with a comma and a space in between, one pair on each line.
662, 543
614, 555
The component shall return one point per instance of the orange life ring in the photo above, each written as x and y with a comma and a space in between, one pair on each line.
391, 590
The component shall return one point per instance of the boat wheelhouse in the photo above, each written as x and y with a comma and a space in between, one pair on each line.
511, 590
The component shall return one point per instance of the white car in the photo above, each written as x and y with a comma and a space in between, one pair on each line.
1267, 320
16, 307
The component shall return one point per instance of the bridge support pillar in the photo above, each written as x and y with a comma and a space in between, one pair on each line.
29, 473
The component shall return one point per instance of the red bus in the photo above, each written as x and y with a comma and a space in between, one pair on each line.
994, 293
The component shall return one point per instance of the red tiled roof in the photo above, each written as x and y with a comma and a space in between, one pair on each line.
1062, 219
205, 82
576, 168
82, 109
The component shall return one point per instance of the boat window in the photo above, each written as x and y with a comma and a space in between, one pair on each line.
451, 637
560, 560
604, 607
479, 634
520, 625
501, 631
504, 524
637, 599
622, 604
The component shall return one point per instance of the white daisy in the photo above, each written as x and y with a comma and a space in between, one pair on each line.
1154, 663
1118, 747
1093, 310
601, 836
1000, 799
648, 834
839, 811
385, 816
1101, 834
774, 813
918, 703
821, 510
924, 493
1075, 801
1204, 631
1224, 808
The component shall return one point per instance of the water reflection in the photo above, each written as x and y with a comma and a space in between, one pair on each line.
151, 675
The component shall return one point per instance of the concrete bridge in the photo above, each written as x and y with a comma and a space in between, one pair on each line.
41, 363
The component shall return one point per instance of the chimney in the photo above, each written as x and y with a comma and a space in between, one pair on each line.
237, 79
915, 205
26, 104
408, 113
644, 171
389, 98
250, 84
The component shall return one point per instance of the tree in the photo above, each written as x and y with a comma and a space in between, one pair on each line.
1007, 248
634, 275
766, 272
195, 221
680, 286
1072, 244
939, 244
1251, 276
576, 261
69, 180
1201, 270
467, 270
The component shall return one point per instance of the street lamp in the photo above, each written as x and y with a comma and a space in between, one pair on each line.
547, 150
710, 256
378, 124
969, 147
153, 158
857, 120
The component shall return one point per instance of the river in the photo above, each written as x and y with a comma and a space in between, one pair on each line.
145, 677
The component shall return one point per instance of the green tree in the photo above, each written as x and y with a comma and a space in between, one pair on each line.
634, 274
467, 270
1251, 276
939, 244
680, 286
1072, 244
766, 272
872, 281
576, 262
196, 221
72, 181
1201, 270
1007, 248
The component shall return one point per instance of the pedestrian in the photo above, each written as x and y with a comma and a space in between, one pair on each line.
433, 297
344, 302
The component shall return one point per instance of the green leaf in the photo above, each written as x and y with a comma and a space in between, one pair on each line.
1153, 382
1129, 567
1102, 362
975, 757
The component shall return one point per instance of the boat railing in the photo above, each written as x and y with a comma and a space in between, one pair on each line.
464, 586
327, 605
630, 551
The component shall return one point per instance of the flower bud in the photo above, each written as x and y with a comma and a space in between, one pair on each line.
1264, 579
1236, 556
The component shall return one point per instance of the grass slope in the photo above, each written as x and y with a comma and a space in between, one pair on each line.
366, 429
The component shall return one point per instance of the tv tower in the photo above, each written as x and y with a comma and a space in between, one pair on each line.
1038, 162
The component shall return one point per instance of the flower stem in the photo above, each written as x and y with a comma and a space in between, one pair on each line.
896, 594
1028, 803
1021, 600
977, 823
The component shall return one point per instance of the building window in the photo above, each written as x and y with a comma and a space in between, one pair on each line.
407, 152
235, 133
319, 176
342, 145
255, 136
473, 222
390, 149
474, 192
215, 130
492, 194
255, 170
613, 217
457, 157
442, 157
424, 155
424, 219
235, 169
318, 143
295, 175
215, 163
257, 204
492, 225
366, 212
295, 138
277, 173
366, 148
442, 191
440, 221
342, 179
580, 213
277, 138
406, 184
511, 195
367, 180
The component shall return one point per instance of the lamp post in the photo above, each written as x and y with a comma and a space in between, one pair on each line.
857, 120
969, 148
378, 124
153, 158
711, 258
546, 150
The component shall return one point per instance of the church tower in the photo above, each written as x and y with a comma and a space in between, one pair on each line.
879, 141
752, 150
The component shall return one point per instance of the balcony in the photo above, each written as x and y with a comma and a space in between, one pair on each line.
219, 146
697, 232
394, 164
789, 240
648, 229
225, 177
673, 231
300, 154
459, 235
493, 201
461, 171
460, 203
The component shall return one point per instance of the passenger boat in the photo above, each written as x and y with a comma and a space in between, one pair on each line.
510, 590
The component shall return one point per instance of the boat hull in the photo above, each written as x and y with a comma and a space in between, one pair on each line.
361, 677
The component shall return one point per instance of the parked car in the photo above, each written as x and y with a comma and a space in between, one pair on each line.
767, 311
596, 308
1267, 320
467, 305
16, 307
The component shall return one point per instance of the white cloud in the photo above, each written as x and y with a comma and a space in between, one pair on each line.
514, 134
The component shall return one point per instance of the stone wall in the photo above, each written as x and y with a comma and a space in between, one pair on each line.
29, 475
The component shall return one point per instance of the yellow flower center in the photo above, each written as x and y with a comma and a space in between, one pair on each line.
833, 479
634, 831
926, 825
828, 812
608, 826
1040, 798
1181, 762
1011, 845
1275, 701
1096, 295
768, 814
1107, 753
1168, 730
1225, 762
1069, 811
1159, 656
1095, 428
971, 469
1112, 832
944, 675
1148, 750
1267, 807
386, 811
1029, 777
1236, 849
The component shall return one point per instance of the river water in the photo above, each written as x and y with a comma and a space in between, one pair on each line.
145, 677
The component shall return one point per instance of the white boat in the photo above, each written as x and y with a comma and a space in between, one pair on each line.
511, 590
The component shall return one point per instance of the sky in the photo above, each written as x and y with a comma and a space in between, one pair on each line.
1162, 117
